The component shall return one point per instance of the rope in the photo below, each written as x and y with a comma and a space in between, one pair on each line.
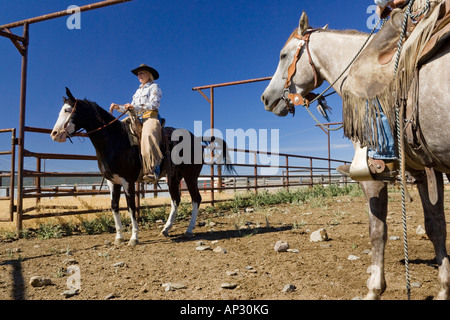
400, 140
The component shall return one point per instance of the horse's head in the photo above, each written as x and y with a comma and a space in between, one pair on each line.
296, 73
65, 126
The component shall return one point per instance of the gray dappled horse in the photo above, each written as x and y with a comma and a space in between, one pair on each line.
314, 56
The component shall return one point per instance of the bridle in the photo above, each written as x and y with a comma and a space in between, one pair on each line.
66, 124
295, 99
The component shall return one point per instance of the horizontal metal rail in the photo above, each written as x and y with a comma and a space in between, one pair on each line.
294, 175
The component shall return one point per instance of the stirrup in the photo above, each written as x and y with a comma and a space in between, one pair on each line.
359, 169
383, 170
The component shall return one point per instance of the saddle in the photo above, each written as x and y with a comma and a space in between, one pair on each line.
372, 80
440, 34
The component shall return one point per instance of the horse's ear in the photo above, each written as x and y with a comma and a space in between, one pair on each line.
325, 28
69, 95
303, 24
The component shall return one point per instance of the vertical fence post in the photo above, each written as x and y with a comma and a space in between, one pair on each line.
287, 172
256, 173
37, 181
12, 207
23, 94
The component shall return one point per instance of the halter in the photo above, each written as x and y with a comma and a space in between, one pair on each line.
296, 99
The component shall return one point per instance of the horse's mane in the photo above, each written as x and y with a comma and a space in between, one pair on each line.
101, 114
347, 32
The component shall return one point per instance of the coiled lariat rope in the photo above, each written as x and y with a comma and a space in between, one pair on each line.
399, 110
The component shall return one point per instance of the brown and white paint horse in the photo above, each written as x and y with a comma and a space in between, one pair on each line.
120, 163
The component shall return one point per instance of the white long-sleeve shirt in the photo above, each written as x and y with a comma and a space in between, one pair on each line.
146, 99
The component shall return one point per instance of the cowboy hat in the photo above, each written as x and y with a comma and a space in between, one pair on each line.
145, 67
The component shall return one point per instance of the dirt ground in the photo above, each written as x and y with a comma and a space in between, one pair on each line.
319, 271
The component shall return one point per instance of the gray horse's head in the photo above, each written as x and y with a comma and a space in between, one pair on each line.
303, 80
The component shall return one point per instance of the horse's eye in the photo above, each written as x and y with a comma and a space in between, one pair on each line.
68, 110
283, 56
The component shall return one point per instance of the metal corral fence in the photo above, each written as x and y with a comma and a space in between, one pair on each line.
291, 171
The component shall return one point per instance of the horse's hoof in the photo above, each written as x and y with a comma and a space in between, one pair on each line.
118, 241
442, 295
372, 296
188, 235
164, 233
133, 242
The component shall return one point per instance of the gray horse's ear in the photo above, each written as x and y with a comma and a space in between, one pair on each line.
325, 28
303, 24
69, 95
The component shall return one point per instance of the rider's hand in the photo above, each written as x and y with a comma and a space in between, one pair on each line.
113, 106
129, 107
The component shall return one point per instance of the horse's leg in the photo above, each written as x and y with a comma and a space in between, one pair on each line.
115, 198
174, 190
377, 199
435, 227
192, 183
131, 204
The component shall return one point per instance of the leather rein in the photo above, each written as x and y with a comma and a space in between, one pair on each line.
295, 99
90, 132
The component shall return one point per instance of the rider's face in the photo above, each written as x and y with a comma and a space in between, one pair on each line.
144, 76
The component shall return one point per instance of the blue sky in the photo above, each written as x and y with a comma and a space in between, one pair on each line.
191, 43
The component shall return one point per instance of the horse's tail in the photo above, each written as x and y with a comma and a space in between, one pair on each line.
226, 159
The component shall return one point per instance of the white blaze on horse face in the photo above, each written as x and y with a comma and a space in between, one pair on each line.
302, 81
61, 131
274, 91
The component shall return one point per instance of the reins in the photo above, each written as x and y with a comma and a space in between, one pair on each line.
92, 131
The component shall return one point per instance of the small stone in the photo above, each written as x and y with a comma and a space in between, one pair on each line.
173, 286
231, 273
281, 246
220, 250
319, 236
353, 257
110, 296
119, 264
249, 210
228, 286
38, 281
394, 238
203, 248
416, 284
289, 288
199, 243
293, 250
